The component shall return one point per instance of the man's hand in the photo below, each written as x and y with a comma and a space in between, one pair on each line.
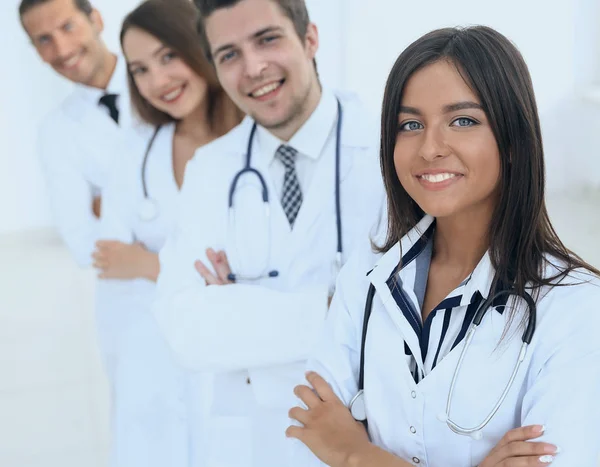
220, 265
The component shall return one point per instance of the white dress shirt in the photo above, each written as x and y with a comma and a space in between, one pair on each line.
314, 138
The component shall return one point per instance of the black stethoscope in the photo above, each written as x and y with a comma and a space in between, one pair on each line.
357, 404
265, 198
148, 210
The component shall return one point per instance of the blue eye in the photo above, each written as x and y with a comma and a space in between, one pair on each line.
268, 39
227, 57
137, 71
168, 57
411, 126
464, 122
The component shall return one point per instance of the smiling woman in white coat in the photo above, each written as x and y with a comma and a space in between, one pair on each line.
174, 90
425, 332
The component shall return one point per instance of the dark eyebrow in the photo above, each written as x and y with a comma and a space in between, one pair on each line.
462, 106
447, 108
410, 110
159, 50
256, 35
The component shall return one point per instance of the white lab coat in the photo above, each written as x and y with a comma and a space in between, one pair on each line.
256, 336
153, 417
78, 145
557, 386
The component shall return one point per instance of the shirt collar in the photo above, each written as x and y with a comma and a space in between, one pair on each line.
117, 85
413, 243
310, 139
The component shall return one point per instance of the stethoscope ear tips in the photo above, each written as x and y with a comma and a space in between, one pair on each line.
476, 435
442, 417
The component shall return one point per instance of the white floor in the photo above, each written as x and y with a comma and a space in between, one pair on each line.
53, 395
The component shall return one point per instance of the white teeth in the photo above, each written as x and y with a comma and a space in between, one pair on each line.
172, 95
266, 89
437, 178
71, 62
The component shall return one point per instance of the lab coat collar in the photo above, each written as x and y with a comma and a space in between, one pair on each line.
413, 243
310, 139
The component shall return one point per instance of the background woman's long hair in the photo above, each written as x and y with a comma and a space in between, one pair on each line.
521, 235
173, 22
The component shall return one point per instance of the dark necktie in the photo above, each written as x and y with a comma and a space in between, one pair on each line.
110, 102
291, 198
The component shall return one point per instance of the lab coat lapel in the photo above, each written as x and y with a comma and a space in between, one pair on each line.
385, 267
378, 278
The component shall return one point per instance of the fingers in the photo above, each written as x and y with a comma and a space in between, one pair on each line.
206, 274
100, 260
220, 264
294, 432
307, 395
102, 244
516, 449
524, 433
525, 462
299, 414
321, 386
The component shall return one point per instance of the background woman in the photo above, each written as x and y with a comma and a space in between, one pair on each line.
175, 91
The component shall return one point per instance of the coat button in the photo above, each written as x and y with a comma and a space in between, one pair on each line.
413, 430
416, 460
248, 380
413, 394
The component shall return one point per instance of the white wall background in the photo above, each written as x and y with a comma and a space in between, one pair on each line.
359, 43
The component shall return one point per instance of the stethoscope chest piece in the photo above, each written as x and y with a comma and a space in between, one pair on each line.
148, 210
357, 407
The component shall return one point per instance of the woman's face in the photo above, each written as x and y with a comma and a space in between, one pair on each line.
446, 156
161, 76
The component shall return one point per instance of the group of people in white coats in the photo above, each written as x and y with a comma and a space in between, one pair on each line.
220, 208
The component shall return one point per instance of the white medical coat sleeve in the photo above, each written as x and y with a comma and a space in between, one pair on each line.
70, 194
230, 327
337, 355
565, 394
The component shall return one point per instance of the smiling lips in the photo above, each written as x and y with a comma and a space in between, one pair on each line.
439, 180
173, 94
72, 61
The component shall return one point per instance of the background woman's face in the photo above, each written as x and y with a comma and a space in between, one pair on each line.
161, 76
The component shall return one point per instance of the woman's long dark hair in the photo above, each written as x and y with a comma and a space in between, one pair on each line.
521, 235
173, 22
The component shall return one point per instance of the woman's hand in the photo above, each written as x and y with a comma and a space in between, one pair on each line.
329, 430
117, 260
516, 450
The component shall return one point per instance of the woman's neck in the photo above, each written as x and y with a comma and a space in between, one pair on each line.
195, 127
462, 240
